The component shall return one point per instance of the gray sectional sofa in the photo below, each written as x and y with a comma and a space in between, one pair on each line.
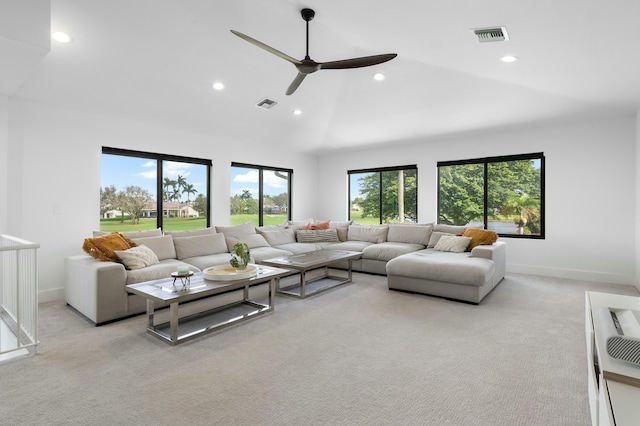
405, 252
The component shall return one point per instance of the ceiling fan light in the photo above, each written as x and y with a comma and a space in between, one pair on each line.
218, 85
296, 112
379, 76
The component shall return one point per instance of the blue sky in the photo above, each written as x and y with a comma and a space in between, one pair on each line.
123, 171
242, 179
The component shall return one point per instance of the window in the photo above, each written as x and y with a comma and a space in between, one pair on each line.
260, 194
140, 190
383, 195
504, 194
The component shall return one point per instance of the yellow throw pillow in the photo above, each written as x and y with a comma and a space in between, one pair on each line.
103, 247
480, 237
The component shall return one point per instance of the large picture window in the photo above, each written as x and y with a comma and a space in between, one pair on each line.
141, 190
504, 194
260, 194
383, 195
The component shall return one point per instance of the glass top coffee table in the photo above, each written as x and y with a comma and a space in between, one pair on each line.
305, 262
172, 293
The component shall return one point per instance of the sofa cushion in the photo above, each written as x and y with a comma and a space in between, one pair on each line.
449, 229
389, 250
162, 246
409, 233
137, 257
134, 234
480, 237
453, 244
191, 232
347, 245
368, 233
317, 236
253, 241
156, 272
103, 247
199, 245
237, 230
204, 262
279, 236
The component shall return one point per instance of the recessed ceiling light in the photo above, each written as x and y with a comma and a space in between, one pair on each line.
218, 86
61, 36
296, 112
509, 58
379, 76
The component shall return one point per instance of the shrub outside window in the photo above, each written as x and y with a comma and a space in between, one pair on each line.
503, 194
383, 195
141, 190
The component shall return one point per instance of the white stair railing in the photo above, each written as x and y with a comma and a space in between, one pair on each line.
18, 294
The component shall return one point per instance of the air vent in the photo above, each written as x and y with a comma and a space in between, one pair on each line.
266, 103
485, 35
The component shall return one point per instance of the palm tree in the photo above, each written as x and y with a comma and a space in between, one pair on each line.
525, 207
189, 189
166, 184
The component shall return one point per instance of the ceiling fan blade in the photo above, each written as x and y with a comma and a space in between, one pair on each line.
266, 47
295, 83
365, 61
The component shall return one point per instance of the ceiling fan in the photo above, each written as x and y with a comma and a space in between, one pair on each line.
307, 65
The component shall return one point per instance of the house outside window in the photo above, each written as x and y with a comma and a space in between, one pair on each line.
383, 195
141, 190
260, 194
503, 194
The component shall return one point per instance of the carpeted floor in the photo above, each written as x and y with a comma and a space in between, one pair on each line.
358, 354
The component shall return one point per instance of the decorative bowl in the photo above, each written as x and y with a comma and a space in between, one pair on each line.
229, 273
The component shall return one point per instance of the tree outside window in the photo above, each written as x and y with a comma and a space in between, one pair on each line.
259, 194
130, 184
504, 194
383, 195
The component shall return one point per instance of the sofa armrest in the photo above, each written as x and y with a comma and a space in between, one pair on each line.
496, 252
96, 289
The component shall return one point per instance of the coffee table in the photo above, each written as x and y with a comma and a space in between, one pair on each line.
168, 292
310, 261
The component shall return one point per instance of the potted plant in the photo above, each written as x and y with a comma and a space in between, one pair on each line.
240, 256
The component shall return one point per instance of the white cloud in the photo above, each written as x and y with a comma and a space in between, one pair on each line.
250, 177
172, 169
149, 164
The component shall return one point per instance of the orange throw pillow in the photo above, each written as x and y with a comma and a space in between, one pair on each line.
480, 237
103, 247
317, 225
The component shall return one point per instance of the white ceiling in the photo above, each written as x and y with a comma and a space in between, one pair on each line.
155, 61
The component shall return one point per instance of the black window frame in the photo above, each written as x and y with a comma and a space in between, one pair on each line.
497, 159
159, 158
260, 170
379, 170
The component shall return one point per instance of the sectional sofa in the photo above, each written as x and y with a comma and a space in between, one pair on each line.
409, 254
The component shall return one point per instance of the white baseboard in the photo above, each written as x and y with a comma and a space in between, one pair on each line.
573, 274
50, 295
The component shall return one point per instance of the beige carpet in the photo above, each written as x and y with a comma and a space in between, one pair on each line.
359, 354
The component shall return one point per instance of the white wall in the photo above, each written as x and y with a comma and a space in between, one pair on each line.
54, 189
590, 192
4, 161
637, 194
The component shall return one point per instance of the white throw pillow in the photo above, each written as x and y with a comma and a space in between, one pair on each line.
137, 257
453, 244
237, 230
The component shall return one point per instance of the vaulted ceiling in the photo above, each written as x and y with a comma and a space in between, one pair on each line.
155, 61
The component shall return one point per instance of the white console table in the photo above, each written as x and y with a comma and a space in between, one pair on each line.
612, 401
